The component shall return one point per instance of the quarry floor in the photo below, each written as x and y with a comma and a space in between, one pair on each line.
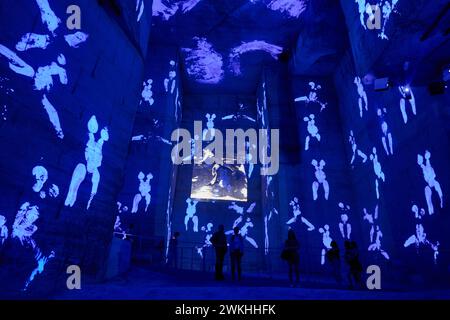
144, 284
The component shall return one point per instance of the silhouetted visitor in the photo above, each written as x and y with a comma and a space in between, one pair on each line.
173, 251
291, 255
160, 250
219, 241
334, 258
236, 253
354, 265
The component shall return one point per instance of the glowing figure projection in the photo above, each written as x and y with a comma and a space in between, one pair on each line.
407, 96
387, 9
121, 208
355, 150
379, 174
386, 138
249, 157
94, 156
190, 214
326, 241
3, 230
239, 115
144, 191
41, 176
245, 47
118, 228
362, 8
247, 224
24, 229
312, 96
344, 226
171, 82
209, 132
362, 99
420, 236
293, 8
139, 9
43, 77
208, 230
147, 93
430, 178
298, 215
321, 179
203, 63
168, 8
375, 233
313, 130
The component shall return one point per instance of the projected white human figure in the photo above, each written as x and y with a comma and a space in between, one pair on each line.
170, 83
387, 10
239, 115
313, 130
209, 233
379, 174
362, 99
344, 226
93, 155
248, 223
147, 93
118, 228
3, 230
430, 177
209, 132
326, 241
298, 215
407, 95
321, 179
420, 236
386, 138
312, 96
244, 232
192, 154
144, 191
43, 77
355, 150
249, 158
41, 175
190, 214
24, 229
362, 10
375, 233
139, 9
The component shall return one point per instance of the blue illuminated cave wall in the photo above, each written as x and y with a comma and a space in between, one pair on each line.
405, 185
97, 80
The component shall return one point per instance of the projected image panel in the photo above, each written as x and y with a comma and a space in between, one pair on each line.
219, 182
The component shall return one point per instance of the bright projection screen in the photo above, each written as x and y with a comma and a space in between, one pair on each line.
219, 182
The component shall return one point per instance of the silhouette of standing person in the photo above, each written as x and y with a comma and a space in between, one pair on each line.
219, 241
354, 265
334, 258
292, 256
236, 253
173, 251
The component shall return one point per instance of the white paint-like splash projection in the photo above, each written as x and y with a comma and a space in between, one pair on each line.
3, 230
190, 214
171, 82
43, 77
430, 178
313, 130
144, 191
166, 9
297, 215
375, 233
355, 150
321, 179
118, 228
326, 241
203, 63
386, 137
312, 96
292, 8
140, 7
344, 225
245, 47
209, 132
379, 174
407, 97
419, 238
208, 230
94, 156
244, 230
23, 229
147, 93
383, 9
363, 103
